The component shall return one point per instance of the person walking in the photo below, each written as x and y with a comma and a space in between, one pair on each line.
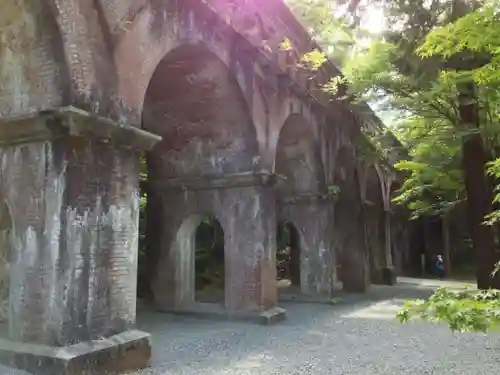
440, 267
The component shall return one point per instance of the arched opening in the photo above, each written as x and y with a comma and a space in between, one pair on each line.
298, 158
209, 265
288, 256
195, 103
5, 246
143, 288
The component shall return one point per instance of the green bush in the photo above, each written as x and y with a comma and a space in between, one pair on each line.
464, 311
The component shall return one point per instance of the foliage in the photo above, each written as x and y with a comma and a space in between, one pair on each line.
434, 184
477, 32
329, 32
465, 310
419, 67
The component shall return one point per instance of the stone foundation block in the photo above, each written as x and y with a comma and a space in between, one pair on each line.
384, 276
389, 276
130, 350
217, 312
272, 316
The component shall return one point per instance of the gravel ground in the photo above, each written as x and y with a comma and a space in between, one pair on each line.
357, 336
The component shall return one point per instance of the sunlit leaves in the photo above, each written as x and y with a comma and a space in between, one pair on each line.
286, 45
477, 31
494, 171
466, 310
475, 34
333, 85
313, 60
330, 33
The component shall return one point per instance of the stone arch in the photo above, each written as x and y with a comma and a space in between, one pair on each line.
298, 158
159, 28
182, 253
6, 232
195, 103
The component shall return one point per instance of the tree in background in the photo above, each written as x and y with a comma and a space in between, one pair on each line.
435, 63
434, 185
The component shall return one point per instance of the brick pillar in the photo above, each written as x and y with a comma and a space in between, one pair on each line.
350, 230
312, 215
71, 183
244, 205
375, 231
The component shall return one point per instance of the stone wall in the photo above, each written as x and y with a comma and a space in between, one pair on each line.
313, 218
32, 73
244, 206
198, 108
6, 233
231, 116
75, 213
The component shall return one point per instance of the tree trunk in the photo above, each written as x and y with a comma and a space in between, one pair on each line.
478, 188
445, 227
388, 239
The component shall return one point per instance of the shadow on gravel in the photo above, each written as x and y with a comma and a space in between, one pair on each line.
332, 338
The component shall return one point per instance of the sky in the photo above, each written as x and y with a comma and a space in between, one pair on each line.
373, 20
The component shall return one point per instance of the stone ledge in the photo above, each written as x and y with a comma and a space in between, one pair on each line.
213, 311
305, 298
71, 121
272, 316
128, 350
244, 179
33, 127
308, 198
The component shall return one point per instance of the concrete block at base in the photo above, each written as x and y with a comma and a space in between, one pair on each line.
272, 316
389, 276
216, 311
384, 276
130, 350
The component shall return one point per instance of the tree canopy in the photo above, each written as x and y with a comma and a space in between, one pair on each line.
436, 65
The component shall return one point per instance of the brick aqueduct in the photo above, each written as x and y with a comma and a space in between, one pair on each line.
231, 126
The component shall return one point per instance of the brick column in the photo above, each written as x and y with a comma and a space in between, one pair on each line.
244, 205
312, 214
71, 183
374, 222
350, 229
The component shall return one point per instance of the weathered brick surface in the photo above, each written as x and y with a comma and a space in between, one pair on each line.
349, 222
101, 215
246, 215
298, 159
5, 238
195, 104
32, 72
32, 187
303, 200
74, 206
204, 75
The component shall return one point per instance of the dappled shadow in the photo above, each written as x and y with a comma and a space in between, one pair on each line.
359, 335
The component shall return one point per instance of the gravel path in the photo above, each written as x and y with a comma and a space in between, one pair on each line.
357, 336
